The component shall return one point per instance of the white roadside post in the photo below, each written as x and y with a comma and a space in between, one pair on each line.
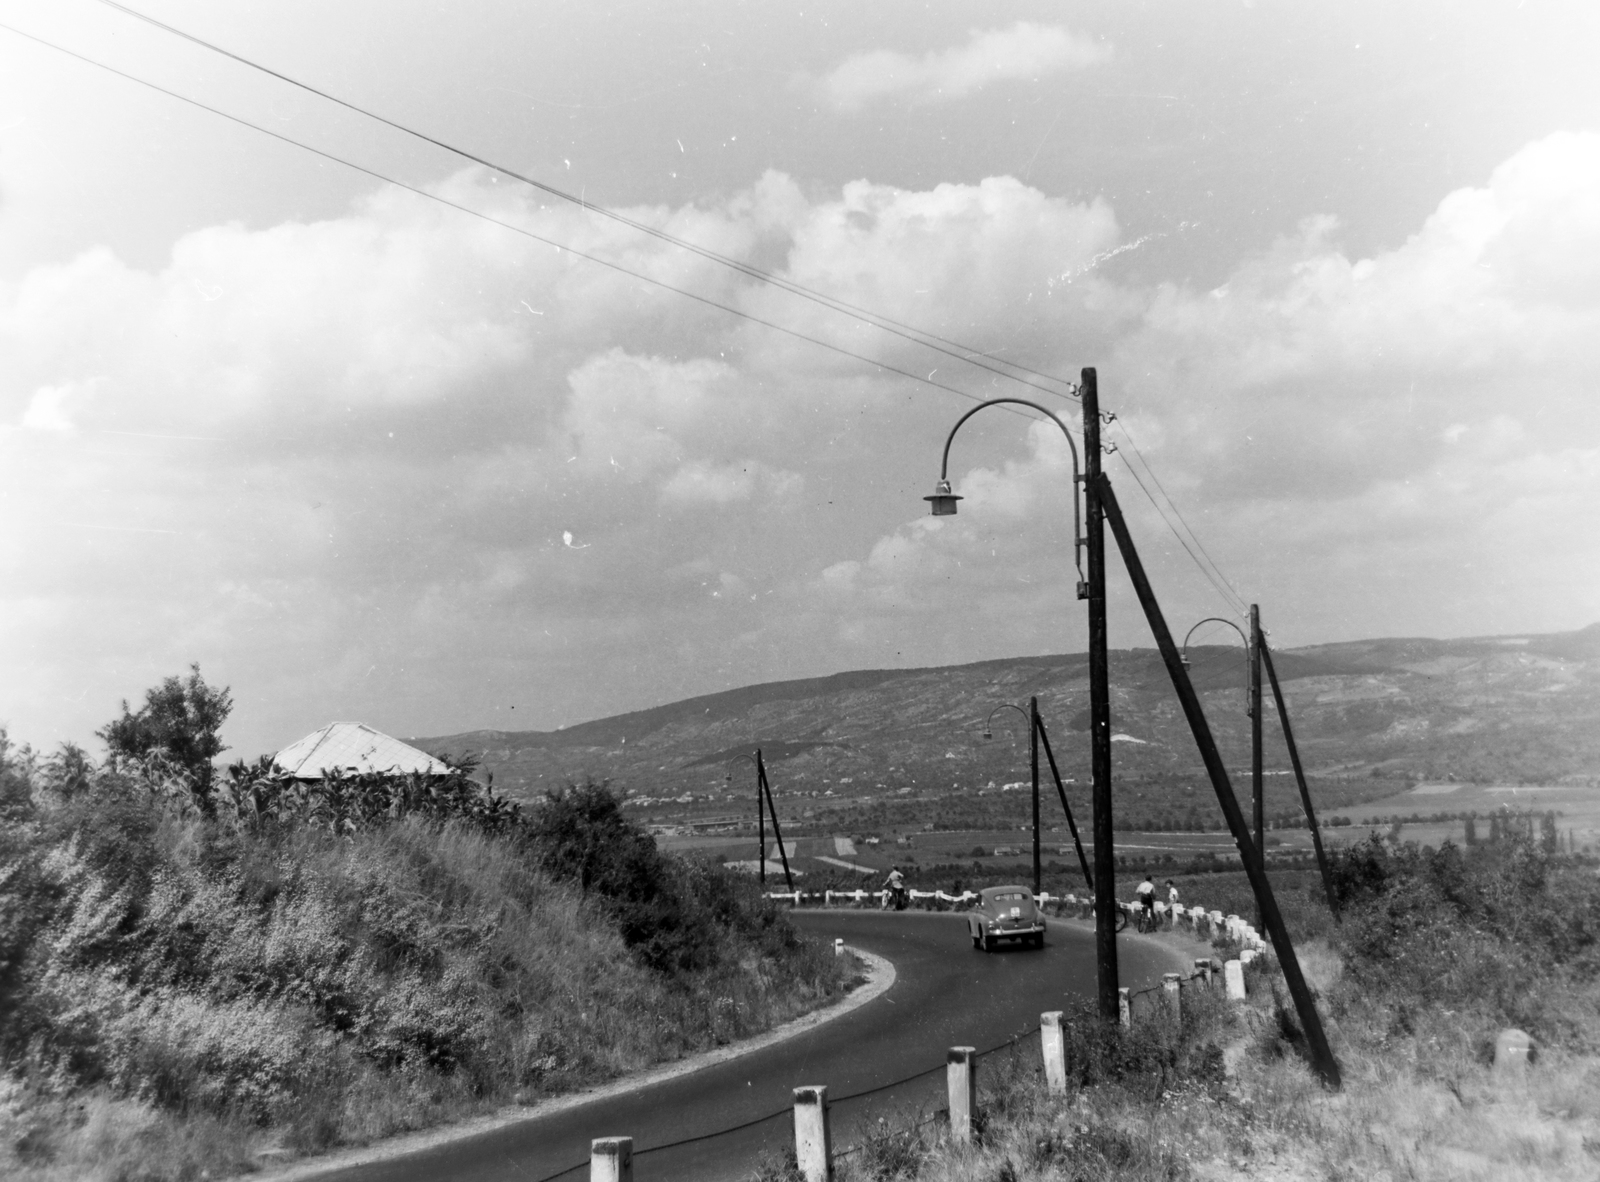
813, 1142
1233, 974
611, 1159
838, 946
1124, 1008
1053, 1045
961, 1078
1202, 969
1172, 993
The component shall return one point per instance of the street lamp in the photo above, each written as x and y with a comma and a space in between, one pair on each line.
944, 498
987, 733
1087, 534
1252, 648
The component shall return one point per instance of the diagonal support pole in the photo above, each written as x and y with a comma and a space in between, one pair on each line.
1300, 778
761, 773
1061, 791
1311, 1022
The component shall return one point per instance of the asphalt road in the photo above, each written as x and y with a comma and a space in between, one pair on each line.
945, 994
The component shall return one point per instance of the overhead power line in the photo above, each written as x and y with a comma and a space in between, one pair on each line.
924, 338
594, 258
918, 336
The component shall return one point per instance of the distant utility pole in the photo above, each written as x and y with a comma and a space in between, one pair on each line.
1256, 795
1033, 734
1105, 867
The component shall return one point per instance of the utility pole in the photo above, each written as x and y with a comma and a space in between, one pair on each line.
761, 820
1105, 886
1256, 794
1272, 919
777, 834
1033, 734
1300, 779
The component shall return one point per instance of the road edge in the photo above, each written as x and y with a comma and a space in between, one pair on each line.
881, 977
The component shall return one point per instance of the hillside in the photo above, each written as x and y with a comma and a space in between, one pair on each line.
1369, 715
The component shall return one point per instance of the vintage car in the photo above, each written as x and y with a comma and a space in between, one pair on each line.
1005, 913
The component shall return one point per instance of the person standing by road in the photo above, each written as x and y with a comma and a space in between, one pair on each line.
1146, 896
1172, 902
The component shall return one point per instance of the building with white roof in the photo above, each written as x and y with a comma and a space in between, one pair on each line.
355, 749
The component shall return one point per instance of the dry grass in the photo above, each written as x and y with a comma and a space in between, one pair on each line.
177, 998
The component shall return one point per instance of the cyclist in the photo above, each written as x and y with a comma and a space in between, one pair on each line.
895, 884
1146, 896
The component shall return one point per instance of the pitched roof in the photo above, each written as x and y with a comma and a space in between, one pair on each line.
354, 747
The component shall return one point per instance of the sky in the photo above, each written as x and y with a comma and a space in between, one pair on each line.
400, 453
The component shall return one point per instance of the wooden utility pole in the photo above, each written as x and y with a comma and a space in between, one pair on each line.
1033, 734
1300, 779
1061, 791
1310, 1021
783, 854
761, 819
1258, 804
1105, 869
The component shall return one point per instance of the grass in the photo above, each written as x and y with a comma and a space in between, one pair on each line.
1439, 951
183, 997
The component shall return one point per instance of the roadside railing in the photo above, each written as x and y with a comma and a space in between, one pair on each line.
611, 1158
1201, 922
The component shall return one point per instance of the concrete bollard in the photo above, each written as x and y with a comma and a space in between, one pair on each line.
838, 946
813, 1142
1247, 956
1172, 994
961, 1078
1053, 1046
611, 1159
1202, 968
1216, 921
1513, 1051
1124, 1009
1233, 974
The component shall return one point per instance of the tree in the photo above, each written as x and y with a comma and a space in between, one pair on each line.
180, 720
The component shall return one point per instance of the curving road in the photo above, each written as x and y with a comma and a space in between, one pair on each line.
946, 994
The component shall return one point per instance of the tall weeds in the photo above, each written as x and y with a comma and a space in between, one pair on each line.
307, 987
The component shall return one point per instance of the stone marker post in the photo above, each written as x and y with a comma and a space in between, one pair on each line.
1172, 994
611, 1159
838, 946
1053, 1043
1513, 1050
1124, 1008
813, 1142
1202, 966
1233, 974
961, 1078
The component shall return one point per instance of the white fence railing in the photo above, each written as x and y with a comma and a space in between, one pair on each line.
1199, 920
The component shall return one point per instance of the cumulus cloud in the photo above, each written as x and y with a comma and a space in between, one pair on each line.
1421, 418
345, 466
1024, 51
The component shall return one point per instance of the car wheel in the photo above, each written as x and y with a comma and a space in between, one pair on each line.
976, 943
988, 944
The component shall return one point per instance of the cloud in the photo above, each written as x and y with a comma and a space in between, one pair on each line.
1024, 51
1407, 442
339, 462
343, 454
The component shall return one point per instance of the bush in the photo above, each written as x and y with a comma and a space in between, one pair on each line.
344, 985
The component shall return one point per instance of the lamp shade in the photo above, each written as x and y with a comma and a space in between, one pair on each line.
943, 500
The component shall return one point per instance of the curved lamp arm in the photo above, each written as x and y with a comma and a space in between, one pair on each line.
987, 733
1242, 636
944, 500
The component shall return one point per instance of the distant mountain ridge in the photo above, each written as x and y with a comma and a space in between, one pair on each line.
1515, 708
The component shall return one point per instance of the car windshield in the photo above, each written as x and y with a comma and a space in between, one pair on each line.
1011, 899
